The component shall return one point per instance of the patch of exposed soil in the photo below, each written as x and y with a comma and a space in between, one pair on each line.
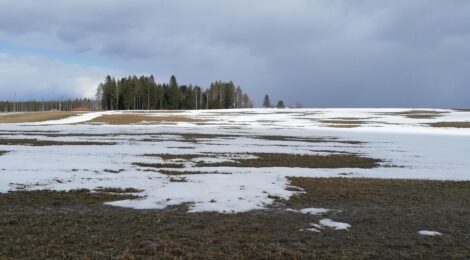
306, 139
300, 161
117, 190
159, 165
451, 124
418, 114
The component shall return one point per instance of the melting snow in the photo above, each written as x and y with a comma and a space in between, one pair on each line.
310, 229
429, 233
422, 152
311, 211
314, 211
333, 224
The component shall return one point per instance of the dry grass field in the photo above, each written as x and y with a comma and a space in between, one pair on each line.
132, 118
35, 116
451, 124
385, 216
248, 184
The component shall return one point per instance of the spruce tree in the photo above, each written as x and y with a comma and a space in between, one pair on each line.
267, 101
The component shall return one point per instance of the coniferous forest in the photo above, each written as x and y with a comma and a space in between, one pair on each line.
79, 104
137, 93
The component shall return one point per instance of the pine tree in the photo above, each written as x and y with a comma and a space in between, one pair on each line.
280, 104
266, 102
173, 94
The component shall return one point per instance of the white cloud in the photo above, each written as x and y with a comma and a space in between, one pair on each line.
37, 77
321, 52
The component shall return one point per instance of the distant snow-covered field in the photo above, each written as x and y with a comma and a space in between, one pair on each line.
75, 152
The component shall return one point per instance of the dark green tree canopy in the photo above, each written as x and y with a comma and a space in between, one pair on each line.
132, 92
144, 93
267, 101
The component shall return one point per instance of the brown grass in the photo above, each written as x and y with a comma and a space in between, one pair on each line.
176, 173
305, 139
418, 114
300, 161
451, 124
342, 125
118, 190
338, 160
169, 156
346, 122
35, 142
113, 171
159, 165
125, 119
385, 216
352, 118
35, 116
328, 191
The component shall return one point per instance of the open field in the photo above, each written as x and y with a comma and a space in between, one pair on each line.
35, 116
451, 124
255, 183
260, 160
134, 118
385, 217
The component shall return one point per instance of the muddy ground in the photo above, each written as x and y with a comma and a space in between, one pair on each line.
385, 216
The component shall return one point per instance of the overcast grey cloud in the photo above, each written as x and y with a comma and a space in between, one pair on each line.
324, 53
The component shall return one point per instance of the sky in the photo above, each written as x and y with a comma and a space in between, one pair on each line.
321, 53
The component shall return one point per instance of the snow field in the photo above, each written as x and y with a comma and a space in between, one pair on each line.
410, 148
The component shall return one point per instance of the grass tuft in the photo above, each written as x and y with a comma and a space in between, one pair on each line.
300, 161
35, 142
451, 124
170, 172
118, 190
159, 165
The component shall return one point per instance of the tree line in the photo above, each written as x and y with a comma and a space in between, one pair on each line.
139, 93
279, 104
79, 104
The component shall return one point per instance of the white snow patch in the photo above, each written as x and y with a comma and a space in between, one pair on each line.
333, 224
74, 119
311, 211
211, 160
310, 229
423, 151
429, 233
314, 211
